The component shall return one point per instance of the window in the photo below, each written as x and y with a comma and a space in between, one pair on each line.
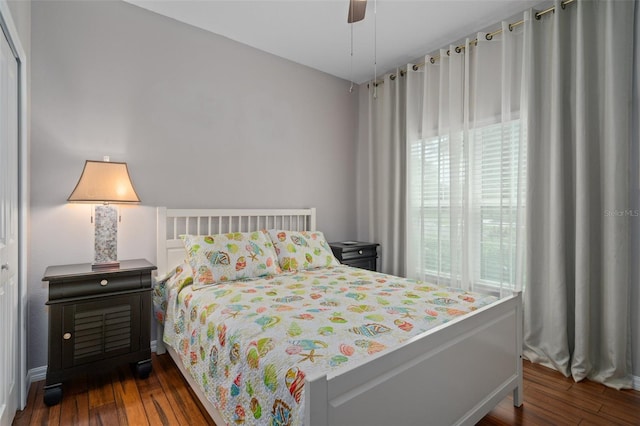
466, 205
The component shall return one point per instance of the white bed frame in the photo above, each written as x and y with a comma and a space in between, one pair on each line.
453, 374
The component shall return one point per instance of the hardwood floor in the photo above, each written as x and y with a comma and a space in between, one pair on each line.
119, 398
552, 399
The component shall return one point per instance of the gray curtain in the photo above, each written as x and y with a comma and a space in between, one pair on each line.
579, 128
386, 171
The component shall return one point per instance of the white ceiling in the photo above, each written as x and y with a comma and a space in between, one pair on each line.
315, 33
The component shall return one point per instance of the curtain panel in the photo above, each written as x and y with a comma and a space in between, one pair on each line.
466, 166
578, 67
386, 166
504, 165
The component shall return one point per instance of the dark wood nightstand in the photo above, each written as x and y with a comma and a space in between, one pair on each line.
97, 320
357, 254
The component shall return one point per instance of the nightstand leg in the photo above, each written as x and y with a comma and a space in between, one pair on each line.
143, 368
52, 394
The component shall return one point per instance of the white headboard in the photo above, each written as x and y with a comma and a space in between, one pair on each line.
175, 222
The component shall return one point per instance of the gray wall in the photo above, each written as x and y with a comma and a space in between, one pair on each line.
201, 120
21, 15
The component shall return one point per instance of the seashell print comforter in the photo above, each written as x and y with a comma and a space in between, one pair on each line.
251, 343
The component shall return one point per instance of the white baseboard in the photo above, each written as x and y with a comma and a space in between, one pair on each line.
40, 373
636, 383
36, 374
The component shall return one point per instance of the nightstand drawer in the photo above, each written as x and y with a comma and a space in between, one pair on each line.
368, 263
358, 253
95, 285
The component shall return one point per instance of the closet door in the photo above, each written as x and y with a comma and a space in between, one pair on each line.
9, 344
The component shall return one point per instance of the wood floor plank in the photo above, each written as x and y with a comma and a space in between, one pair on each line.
633, 397
155, 402
182, 402
503, 414
54, 415
558, 382
40, 414
622, 412
588, 403
127, 397
551, 398
23, 417
104, 415
101, 390
78, 385
203, 410
526, 414
75, 409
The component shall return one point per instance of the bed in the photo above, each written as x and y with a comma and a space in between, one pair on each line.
454, 372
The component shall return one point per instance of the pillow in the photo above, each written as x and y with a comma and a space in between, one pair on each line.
302, 250
179, 277
229, 257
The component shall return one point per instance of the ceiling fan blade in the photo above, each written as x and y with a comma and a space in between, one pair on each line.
356, 10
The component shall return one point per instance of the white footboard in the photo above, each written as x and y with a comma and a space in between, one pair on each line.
451, 375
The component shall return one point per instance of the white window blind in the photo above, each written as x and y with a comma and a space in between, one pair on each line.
485, 207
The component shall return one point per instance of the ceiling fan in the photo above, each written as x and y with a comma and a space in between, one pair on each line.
356, 10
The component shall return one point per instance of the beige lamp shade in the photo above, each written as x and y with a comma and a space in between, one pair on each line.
104, 182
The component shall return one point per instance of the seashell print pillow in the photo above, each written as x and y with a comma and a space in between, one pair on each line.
298, 250
229, 257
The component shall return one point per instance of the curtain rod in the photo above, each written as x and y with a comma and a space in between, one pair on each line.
489, 36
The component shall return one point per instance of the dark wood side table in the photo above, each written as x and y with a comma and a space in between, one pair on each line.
357, 254
97, 320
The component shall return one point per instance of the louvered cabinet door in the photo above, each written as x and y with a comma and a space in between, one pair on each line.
102, 329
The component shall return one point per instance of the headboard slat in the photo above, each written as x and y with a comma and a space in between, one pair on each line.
170, 251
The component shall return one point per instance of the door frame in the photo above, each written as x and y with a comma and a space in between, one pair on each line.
11, 33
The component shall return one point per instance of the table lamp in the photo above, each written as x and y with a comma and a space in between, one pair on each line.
104, 183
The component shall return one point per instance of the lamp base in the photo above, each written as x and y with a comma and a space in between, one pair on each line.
105, 266
106, 236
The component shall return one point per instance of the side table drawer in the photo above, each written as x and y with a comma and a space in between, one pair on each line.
369, 263
95, 285
359, 253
